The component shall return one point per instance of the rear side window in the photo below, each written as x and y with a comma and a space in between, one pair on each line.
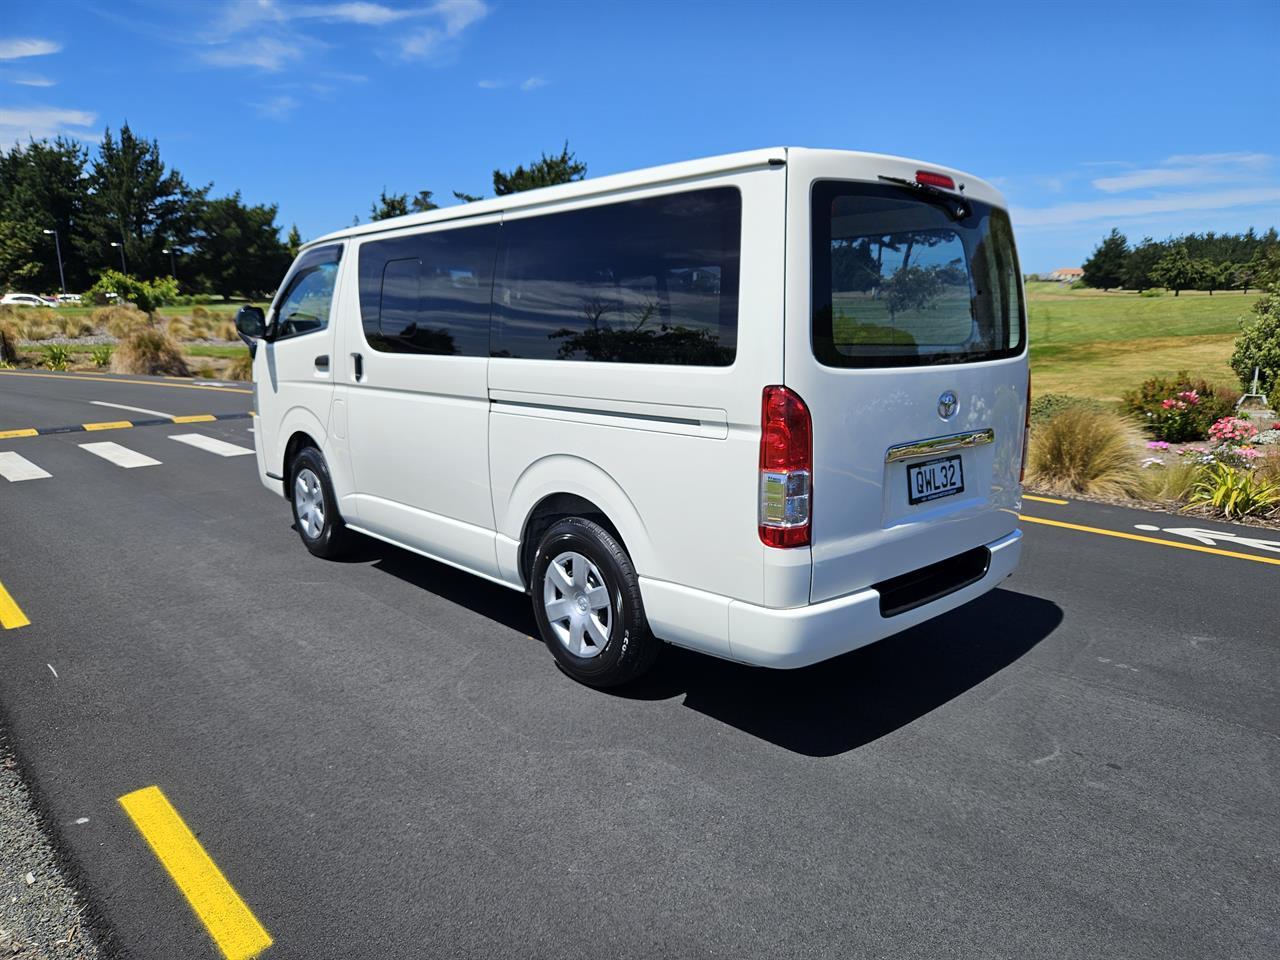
646, 281
898, 282
430, 292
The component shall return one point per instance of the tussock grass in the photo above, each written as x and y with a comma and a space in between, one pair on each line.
241, 368
1173, 483
149, 351
120, 321
1085, 451
8, 342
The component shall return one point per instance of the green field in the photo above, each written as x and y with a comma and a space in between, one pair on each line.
1095, 344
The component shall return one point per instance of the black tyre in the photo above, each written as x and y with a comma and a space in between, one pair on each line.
315, 508
586, 598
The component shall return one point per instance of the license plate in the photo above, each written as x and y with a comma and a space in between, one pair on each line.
934, 478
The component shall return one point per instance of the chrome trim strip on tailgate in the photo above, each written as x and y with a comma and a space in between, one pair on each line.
956, 441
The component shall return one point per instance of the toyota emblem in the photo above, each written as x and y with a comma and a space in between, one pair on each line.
948, 405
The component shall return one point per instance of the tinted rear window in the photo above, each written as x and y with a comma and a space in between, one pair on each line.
646, 281
898, 282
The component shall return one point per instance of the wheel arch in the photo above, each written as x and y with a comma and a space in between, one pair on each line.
565, 486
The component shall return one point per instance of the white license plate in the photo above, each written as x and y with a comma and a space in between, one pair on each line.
934, 478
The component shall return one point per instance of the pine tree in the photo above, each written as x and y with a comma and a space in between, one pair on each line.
1105, 269
545, 172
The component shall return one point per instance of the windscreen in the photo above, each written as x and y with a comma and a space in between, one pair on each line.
900, 280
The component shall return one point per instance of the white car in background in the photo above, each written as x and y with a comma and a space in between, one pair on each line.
25, 300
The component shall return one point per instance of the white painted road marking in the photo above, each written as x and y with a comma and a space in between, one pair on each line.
209, 444
1214, 538
121, 406
120, 456
14, 468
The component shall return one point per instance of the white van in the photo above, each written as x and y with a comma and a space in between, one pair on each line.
770, 406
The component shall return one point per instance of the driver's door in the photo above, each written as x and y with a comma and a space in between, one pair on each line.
293, 367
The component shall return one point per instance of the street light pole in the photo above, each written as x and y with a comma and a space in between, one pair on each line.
123, 268
57, 245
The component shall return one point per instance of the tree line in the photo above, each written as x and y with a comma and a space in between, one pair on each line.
1196, 261
121, 208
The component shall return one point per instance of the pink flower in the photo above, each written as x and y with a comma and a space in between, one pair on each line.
1158, 444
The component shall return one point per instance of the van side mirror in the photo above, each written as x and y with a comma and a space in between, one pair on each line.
251, 324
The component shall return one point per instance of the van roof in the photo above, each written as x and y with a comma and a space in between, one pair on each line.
666, 173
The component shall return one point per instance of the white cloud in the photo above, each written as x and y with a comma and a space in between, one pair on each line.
35, 82
1114, 210
276, 108
370, 14
454, 16
41, 122
491, 84
533, 83
20, 47
265, 53
1186, 169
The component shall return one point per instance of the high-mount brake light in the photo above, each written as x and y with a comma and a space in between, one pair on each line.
786, 469
931, 179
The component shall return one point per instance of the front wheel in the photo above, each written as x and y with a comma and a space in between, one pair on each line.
586, 598
315, 508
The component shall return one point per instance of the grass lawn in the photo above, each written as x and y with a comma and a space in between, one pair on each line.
1090, 343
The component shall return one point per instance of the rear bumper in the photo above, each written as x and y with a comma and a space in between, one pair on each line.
800, 636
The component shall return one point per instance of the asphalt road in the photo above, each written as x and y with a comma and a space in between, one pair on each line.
383, 763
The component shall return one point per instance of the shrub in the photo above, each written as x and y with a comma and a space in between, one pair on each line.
149, 351
1259, 346
241, 368
1235, 493
201, 313
179, 329
145, 295
56, 357
1046, 406
30, 324
226, 330
120, 321
1151, 293
1179, 408
1084, 451
101, 356
1232, 431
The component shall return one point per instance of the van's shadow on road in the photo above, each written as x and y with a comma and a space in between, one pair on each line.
820, 711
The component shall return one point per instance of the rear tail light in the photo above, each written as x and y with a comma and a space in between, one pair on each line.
786, 469
1026, 430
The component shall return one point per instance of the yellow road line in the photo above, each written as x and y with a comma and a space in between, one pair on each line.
197, 418
11, 615
1027, 496
1141, 539
229, 921
10, 434
108, 425
88, 378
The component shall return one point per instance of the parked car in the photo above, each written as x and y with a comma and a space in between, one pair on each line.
771, 406
73, 298
26, 300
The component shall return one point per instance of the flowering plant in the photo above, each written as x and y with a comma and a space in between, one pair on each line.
1232, 431
1157, 444
1180, 408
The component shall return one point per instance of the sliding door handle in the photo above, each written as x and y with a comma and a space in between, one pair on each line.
357, 366
322, 362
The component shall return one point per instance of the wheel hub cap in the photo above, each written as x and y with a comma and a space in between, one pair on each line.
308, 501
577, 604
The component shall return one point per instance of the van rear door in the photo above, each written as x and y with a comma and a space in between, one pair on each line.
906, 337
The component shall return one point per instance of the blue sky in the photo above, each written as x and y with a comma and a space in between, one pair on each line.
1157, 117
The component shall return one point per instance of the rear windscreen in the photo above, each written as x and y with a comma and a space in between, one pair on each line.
901, 279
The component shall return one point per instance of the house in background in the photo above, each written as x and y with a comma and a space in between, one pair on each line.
1066, 274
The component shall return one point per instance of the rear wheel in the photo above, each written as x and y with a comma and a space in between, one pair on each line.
315, 508
586, 598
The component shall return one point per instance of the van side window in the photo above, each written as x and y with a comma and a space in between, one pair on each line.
429, 292
646, 281
308, 293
